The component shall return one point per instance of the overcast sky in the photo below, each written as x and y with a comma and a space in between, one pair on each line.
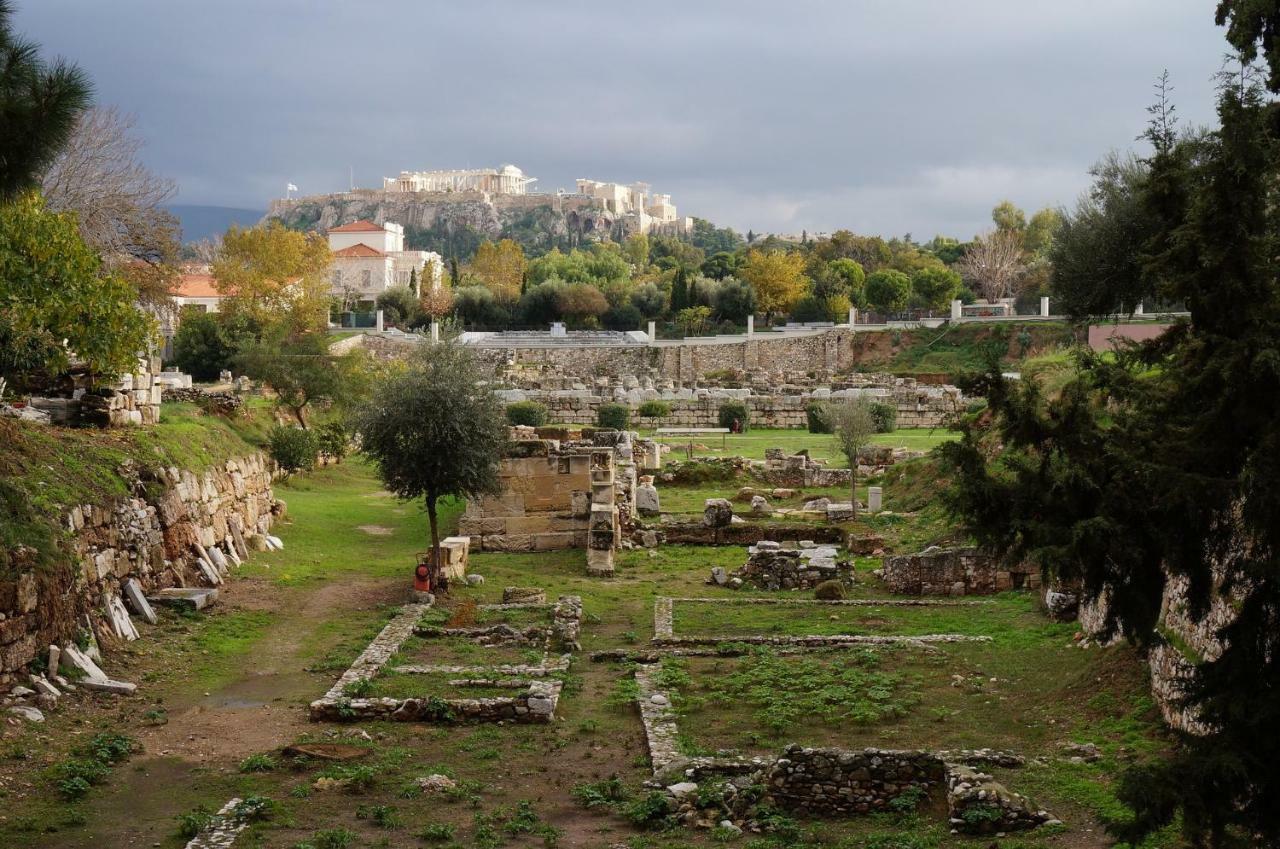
881, 116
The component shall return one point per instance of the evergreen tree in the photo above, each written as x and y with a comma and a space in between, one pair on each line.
679, 291
1162, 462
40, 104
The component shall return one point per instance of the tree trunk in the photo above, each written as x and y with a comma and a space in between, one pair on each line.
853, 484
435, 543
299, 413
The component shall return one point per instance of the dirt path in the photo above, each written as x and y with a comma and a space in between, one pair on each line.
262, 708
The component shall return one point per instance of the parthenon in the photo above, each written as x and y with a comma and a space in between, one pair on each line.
505, 180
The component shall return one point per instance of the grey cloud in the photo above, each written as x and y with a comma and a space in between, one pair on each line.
879, 115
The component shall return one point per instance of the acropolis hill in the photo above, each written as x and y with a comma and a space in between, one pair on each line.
439, 208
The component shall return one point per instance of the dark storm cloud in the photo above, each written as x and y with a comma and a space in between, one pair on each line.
878, 115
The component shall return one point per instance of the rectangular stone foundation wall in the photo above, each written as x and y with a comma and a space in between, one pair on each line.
953, 571
835, 782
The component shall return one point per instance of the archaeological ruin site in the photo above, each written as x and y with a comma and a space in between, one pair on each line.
862, 433
659, 633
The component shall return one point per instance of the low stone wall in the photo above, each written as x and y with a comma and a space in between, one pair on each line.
158, 536
953, 571
835, 782
746, 533
917, 406
132, 400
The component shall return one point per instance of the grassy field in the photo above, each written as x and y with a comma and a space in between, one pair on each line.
224, 692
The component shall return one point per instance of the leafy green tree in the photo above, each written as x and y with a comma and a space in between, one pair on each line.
476, 305
721, 265
1095, 269
735, 300
540, 305
934, 288
40, 104
1160, 463
435, 430
303, 374
53, 288
399, 306
203, 347
852, 423
888, 291
693, 320
649, 300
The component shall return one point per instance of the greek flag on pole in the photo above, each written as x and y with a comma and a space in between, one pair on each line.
292, 188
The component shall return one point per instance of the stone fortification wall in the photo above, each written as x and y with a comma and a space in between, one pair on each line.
157, 537
953, 571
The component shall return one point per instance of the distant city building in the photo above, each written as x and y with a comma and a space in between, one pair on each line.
369, 259
504, 180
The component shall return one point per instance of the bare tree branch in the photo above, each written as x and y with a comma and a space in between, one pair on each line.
994, 262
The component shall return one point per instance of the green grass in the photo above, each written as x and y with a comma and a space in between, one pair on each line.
339, 515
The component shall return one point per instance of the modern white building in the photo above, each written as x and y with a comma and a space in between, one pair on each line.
369, 259
504, 180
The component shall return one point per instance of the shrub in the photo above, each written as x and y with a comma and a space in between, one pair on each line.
654, 409
192, 823
624, 317
436, 832
293, 448
653, 810
613, 416
530, 413
734, 415
601, 793
885, 415
333, 439
818, 417
829, 591
258, 763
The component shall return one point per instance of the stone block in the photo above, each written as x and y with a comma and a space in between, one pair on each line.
138, 601
196, 598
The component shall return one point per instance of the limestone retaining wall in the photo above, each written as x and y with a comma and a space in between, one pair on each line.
953, 571
154, 536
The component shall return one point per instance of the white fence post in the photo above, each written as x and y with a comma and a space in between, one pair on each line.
1044, 306
751, 326
653, 330
956, 309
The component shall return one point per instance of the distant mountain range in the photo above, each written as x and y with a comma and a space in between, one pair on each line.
201, 222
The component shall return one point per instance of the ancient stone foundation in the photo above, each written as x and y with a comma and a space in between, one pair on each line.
953, 571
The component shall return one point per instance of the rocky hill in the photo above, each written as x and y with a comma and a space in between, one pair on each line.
454, 223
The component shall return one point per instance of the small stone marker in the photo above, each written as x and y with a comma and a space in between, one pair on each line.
875, 496
55, 654
197, 598
138, 601
275, 542
219, 559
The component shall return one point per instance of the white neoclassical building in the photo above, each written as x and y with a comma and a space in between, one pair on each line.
504, 180
369, 259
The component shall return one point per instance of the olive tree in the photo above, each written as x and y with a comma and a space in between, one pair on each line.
435, 430
853, 423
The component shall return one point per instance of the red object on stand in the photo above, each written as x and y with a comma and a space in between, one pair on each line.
422, 578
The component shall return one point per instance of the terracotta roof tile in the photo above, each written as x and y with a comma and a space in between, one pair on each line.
359, 249
196, 286
358, 227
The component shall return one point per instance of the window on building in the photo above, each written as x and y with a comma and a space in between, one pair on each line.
366, 278
336, 278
